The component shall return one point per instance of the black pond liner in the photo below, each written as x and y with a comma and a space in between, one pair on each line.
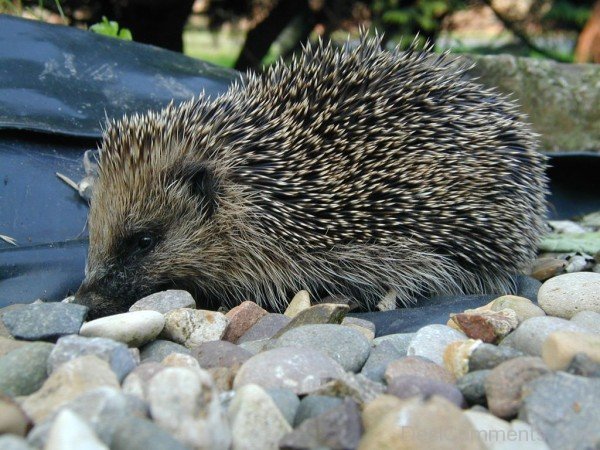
57, 86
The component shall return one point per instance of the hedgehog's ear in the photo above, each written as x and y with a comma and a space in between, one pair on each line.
202, 184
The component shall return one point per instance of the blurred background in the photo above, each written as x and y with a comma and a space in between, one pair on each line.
253, 33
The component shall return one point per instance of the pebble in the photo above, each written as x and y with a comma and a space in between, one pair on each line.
546, 268
331, 313
420, 424
70, 431
192, 327
68, 381
399, 340
241, 319
315, 405
488, 356
135, 433
12, 418
365, 327
299, 369
7, 345
159, 349
411, 386
136, 383
348, 347
358, 387
181, 360
379, 359
338, 428
300, 302
22, 371
487, 326
566, 295
589, 320
220, 354
116, 354
472, 387
523, 307
44, 321
12, 442
584, 366
286, 401
255, 347
457, 356
266, 327
165, 301
431, 341
564, 409
503, 384
250, 410
560, 348
527, 287
417, 366
133, 328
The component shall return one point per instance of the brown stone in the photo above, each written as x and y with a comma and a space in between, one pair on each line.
241, 319
12, 418
487, 326
546, 268
321, 313
560, 348
417, 366
7, 345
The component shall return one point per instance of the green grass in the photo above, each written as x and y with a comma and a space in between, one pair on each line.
218, 48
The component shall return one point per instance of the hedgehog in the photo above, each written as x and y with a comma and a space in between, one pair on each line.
350, 171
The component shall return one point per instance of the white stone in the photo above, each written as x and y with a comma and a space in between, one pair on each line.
192, 327
133, 328
589, 320
69, 431
498, 434
568, 294
256, 422
431, 342
300, 302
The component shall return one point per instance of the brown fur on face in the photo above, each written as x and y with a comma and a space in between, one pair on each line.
350, 171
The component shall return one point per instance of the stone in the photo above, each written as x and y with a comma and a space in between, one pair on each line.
315, 405
299, 369
348, 347
523, 307
359, 388
338, 428
417, 366
165, 301
564, 409
286, 401
185, 403
192, 327
589, 320
487, 326
255, 347
300, 302
181, 360
135, 433
323, 313
472, 387
132, 328
365, 327
374, 411
457, 356
399, 340
116, 354
488, 356
44, 321
12, 418
504, 383
560, 348
13, 442
251, 410
431, 341
22, 371
220, 354
241, 319
159, 349
531, 334
566, 295
379, 359
136, 383
584, 366
546, 268
407, 386
70, 431
420, 424
7, 345
67, 382
266, 327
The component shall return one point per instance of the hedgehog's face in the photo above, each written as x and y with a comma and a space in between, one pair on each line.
151, 228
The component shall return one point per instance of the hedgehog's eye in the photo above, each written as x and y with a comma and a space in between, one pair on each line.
144, 242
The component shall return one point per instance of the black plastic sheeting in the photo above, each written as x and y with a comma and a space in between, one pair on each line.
57, 86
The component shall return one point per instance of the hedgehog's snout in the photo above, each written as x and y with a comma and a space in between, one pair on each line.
100, 304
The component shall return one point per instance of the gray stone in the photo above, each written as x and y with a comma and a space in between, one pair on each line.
529, 337
399, 340
220, 354
417, 366
299, 369
116, 354
564, 409
133, 328
523, 307
165, 301
431, 342
472, 387
255, 347
407, 386
338, 428
23, 370
347, 346
379, 359
315, 405
45, 321
12, 442
135, 433
527, 287
323, 313
160, 349
286, 401
8, 344
266, 327
584, 366
589, 320
488, 356
568, 294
